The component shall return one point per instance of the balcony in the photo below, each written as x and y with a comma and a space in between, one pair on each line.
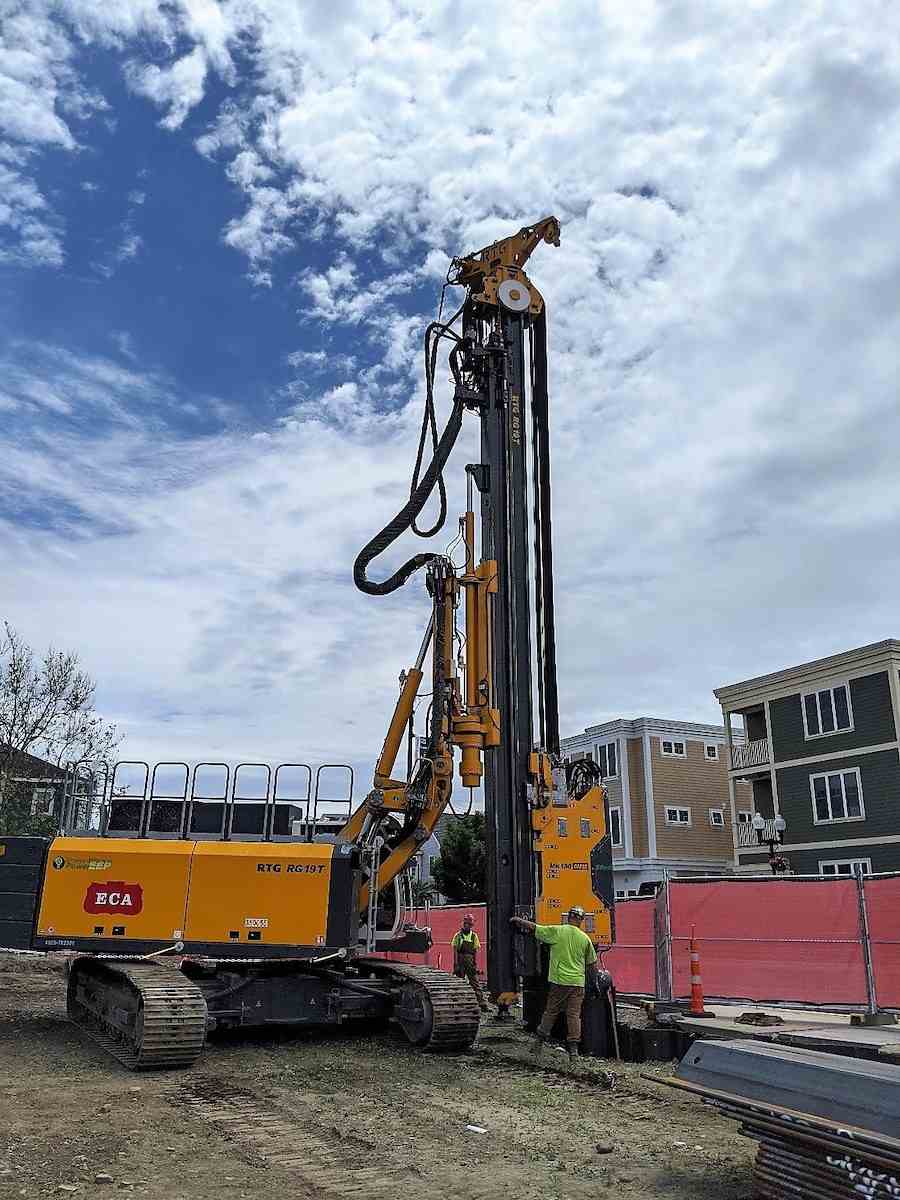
745, 835
753, 754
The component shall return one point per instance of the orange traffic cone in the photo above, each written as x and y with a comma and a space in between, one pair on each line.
696, 1009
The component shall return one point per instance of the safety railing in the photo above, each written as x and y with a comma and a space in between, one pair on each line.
745, 835
751, 754
209, 801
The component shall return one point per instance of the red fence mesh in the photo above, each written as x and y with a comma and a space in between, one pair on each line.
780, 939
631, 960
445, 921
776, 940
883, 908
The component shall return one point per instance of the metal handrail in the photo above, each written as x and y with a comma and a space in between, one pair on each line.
301, 800
165, 797
266, 802
195, 797
312, 822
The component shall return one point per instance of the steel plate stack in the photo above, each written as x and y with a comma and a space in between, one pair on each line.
828, 1127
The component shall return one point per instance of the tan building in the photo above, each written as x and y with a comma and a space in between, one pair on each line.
669, 802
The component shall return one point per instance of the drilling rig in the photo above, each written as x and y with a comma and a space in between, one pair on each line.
188, 915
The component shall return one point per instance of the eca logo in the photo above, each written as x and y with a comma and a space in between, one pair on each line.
114, 897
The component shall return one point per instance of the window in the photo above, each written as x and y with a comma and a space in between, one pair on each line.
607, 760
42, 799
827, 711
744, 816
673, 749
678, 816
717, 818
615, 826
846, 866
711, 751
837, 796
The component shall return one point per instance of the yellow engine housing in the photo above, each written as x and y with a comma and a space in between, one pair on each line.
234, 899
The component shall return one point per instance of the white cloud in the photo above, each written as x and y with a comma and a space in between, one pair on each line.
128, 248
124, 343
723, 323
226, 622
31, 231
178, 87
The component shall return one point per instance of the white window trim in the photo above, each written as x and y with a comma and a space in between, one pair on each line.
843, 862
828, 687
679, 808
837, 820
599, 746
615, 808
672, 753
717, 824
738, 814
707, 746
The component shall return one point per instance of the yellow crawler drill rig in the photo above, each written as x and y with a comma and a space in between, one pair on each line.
182, 923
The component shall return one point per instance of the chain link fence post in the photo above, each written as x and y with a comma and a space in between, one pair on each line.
872, 1015
662, 940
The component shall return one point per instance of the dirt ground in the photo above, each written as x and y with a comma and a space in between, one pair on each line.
339, 1115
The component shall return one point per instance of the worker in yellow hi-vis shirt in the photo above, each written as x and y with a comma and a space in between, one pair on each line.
465, 944
573, 964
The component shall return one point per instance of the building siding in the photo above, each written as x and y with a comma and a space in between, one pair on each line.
614, 791
873, 721
883, 858
880, 777
636, 788
696, 783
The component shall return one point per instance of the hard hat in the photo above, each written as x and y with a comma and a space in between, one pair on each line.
577, 911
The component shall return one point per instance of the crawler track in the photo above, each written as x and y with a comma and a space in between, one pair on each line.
146, 1015
437, 1011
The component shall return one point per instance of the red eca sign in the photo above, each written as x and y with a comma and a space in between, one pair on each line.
114, 897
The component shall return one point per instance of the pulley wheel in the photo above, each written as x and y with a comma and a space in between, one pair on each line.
514, 295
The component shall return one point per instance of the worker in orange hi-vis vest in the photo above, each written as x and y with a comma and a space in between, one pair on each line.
465, 944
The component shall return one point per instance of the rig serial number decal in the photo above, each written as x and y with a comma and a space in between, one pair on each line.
256, 922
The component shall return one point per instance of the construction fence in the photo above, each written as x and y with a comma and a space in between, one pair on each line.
796, 940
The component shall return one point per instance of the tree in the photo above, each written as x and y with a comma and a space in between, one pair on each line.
458, 872
422, 893
46, 710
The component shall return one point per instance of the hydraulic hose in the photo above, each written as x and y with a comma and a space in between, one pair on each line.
423, 486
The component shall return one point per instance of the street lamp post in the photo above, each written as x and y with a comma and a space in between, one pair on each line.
772, 839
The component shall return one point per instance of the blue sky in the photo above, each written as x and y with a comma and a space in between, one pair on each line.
223, 227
